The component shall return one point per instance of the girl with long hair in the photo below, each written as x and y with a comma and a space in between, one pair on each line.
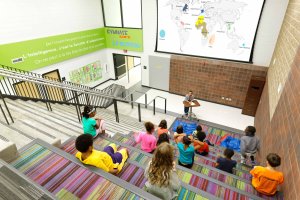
163, 181
162, 128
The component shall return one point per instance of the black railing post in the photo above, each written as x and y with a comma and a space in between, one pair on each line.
46, 97
131, 99
139, 111
116, 110
78, 106
153, 106
165, 106
4, 114
87, 99
146, 100
78, 113
1, 96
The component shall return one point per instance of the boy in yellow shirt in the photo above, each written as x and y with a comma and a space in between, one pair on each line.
266, 179
109, 160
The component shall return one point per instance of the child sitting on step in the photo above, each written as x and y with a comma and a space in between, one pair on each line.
109, 160
163, 138
162, 128
266, 179
179, 134
163, 181
92, 125
204, 148
187, 151
147, 139
225, 163
249, 144
199, 129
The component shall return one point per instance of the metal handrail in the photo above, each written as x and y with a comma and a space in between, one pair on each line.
131, 97
153, 100
44, 94
11, 69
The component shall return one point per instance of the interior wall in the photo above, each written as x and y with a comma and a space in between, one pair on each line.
280, 134
267, 34
213, 80
278, 116
284, 53
32, 19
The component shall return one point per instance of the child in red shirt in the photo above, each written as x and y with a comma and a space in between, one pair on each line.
266, 179
204, 149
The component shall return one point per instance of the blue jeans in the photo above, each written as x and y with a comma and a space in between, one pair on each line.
186, 110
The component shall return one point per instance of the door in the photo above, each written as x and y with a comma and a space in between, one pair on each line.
120, 65
54, 93
255, 90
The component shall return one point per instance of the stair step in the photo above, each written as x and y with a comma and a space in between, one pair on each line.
64, 176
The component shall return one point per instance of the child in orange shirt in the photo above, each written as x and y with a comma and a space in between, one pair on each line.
162, 128
266, 179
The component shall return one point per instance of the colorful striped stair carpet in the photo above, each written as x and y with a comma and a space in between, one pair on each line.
217, 187
131, 173
66, 179
127, 139
213, 134
214, 187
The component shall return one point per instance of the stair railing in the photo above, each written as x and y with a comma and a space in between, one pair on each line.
131, 97
154, 104
48, 93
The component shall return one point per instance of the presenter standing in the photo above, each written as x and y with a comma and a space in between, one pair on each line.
189, 98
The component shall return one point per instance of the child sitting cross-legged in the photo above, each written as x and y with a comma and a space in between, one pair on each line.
109, 160
147, 139
225, 163
266, 179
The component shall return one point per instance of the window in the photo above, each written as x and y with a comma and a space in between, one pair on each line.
122, 13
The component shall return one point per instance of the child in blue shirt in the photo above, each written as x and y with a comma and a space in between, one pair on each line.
225, 163
187, 151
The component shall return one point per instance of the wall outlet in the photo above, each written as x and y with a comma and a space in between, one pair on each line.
274, 61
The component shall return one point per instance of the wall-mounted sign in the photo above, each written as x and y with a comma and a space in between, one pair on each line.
124, 38
37, 53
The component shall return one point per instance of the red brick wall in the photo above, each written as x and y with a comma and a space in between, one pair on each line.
281, 134
212, 79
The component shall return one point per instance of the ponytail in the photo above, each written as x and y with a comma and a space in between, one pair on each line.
87, 111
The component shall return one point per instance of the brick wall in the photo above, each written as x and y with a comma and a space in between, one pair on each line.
212, 79
281, 134
286, 47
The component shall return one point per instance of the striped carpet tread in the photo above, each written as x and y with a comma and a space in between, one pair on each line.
191, 179
131, 173
65, 179
229, 180
199, 159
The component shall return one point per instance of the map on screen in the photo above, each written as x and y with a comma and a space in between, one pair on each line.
222, 29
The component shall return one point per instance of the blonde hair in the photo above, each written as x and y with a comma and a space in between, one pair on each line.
161, 165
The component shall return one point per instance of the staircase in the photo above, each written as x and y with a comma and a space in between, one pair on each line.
41, 143
37, 158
